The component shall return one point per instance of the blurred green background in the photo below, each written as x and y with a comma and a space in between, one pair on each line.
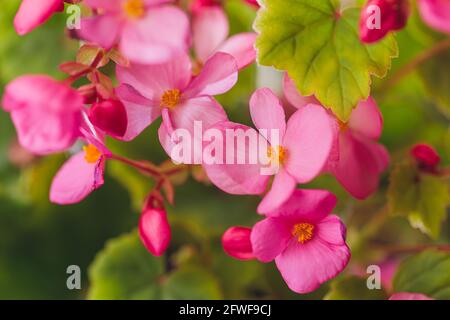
38, 240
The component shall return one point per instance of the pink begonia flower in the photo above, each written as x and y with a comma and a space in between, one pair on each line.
45, 112
303, 148
170, 91
148, 31
33, 13
82, 173
307, 243
210, 31
154, 230
236, 243
110, 116
409, 296
436, 13
357, 160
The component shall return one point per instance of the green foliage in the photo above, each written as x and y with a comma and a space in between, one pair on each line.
353, 288
427, 273
321, 51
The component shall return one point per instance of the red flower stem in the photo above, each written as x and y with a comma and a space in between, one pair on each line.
138, 165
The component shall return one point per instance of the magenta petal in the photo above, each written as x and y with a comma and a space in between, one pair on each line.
33, 13
242, 47
366, 119
436, 13
102, 30
269, 238
332, 230
409, 296
268, 114
218, 75
154, 230
76, 180
305, 267
309, 140
282, 188
236, 178
293, 95
236, 243
107, 5
210, 29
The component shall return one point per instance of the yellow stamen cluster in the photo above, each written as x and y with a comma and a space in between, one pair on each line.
170, 98
134, 9
91, 153
276, 154
303, 232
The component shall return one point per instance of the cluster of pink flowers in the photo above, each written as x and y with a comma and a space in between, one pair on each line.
176, 62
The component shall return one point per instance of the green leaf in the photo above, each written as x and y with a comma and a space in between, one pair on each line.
125, 270
426, 273
423, 197
353, 288
321, 50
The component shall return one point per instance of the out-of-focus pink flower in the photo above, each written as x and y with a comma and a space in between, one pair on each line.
110, 116
426, 156
301, 152
307, 243
33, 13
45, 112
357, 160
253, 2
236, 243
409, 296
168, 90
148, 31
392, 14
82, 173
436, 13
210, 31
154, 230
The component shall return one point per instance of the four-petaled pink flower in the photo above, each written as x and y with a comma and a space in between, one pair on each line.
307, 244
148, 31
170, 91
357, 160
436, 13
33, 13
302, 150
45, 112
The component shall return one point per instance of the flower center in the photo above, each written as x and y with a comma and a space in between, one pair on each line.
303, 232
91, 153
134, 9
276, 154
170, 98
343, 126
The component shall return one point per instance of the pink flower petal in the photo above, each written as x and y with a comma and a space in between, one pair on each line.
76, 180
103, 30
268, 113
309, 139
436, 13
218, 75
269, 238
108, 5
366, 119
154, 230
210, 29
33, 13
409, 296
293, 95
242, 47
282, 188
236, 243
331, 230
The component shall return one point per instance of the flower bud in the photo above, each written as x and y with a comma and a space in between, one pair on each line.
426, 156
379, 17
236, 243
110, 116
154, 230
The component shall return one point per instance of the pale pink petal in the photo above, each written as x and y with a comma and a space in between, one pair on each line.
218, 75
309, 139
236, 243
237, 178
242, 47
158, 37
367, 160
151, 81
366, 119
409, 296
141, 112
293, 95
306, 266
269, 238
103, 30
306, 205
268, 114
33, 13
436, 13
110, 6
331, 230
154, 230
282, 188
209, 29
76, 180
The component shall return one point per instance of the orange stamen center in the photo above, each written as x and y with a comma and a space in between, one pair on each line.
276, 154
91, 153
303, 232
134, 9
170, 98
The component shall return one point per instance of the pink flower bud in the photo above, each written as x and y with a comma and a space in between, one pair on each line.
110, 116
379, 17
236, 243
253, 2
426, 156
154, 230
